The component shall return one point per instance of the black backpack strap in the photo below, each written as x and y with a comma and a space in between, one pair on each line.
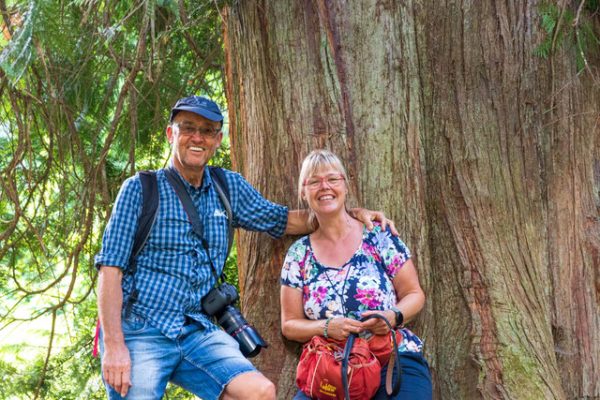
148, 214
146, 219
218, 176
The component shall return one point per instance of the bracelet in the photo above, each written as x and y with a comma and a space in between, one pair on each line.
326, 327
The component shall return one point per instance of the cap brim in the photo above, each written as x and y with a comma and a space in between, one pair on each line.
200, 111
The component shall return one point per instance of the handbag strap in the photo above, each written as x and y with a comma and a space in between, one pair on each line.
345, 359
391, 387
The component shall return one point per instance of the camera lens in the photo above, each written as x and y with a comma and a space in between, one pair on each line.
248, 338
250, 341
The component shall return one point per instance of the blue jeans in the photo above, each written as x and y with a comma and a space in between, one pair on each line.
416, 380
201, 362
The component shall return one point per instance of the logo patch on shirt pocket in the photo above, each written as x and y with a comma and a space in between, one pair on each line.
219, 213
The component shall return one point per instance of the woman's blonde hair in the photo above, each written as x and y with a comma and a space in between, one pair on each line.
312, 163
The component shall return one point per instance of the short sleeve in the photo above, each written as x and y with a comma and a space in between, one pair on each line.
394, 253
252, 211
292, 272
117, 240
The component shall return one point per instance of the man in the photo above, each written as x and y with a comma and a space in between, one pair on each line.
165, 336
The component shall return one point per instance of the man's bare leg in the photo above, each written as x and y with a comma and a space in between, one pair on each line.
249, 386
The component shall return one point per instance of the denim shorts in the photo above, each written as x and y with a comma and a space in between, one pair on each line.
416, 380
201, 362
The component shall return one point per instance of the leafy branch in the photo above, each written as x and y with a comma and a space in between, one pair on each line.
571, 29
84, 92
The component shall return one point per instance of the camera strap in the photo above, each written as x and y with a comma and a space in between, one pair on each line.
192, 213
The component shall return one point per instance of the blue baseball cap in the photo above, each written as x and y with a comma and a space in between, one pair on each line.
198, 105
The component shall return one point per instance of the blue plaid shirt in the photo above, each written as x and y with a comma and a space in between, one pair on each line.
173, 269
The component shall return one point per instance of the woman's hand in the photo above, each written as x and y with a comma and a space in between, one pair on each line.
376, 325
340, 328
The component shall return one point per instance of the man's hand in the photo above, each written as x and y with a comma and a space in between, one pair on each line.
116, 367
367, 217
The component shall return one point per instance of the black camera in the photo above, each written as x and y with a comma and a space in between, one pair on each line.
218, 303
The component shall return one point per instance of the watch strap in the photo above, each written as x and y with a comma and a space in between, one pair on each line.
399, 316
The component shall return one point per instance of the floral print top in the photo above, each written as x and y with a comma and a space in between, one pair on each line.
363, 283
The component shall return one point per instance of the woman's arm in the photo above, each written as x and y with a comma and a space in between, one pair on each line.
295, 326
411, 299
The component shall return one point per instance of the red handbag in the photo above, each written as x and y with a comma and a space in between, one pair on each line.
319, 371
382, 346
348, 370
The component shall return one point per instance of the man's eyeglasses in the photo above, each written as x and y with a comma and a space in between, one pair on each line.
190, 130
331, 180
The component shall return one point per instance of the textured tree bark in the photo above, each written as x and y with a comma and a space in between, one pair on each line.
486, 156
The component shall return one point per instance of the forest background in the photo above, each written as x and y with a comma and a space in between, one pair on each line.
474, 125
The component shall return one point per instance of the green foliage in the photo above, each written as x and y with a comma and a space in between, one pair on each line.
15, 58
85, 92
571, 29
8, 384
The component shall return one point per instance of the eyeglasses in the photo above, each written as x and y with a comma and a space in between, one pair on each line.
331, 180
203, 131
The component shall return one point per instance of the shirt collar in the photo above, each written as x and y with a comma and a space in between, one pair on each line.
206, 180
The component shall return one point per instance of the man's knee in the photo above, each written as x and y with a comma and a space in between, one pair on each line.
250, 386
265, 390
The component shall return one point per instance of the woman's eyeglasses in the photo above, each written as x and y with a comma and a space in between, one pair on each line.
331, 181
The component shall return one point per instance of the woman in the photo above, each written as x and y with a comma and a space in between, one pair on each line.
342, 272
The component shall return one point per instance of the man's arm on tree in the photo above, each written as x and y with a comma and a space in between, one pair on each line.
297, 223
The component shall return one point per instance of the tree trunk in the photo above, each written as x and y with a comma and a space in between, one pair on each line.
486, 156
